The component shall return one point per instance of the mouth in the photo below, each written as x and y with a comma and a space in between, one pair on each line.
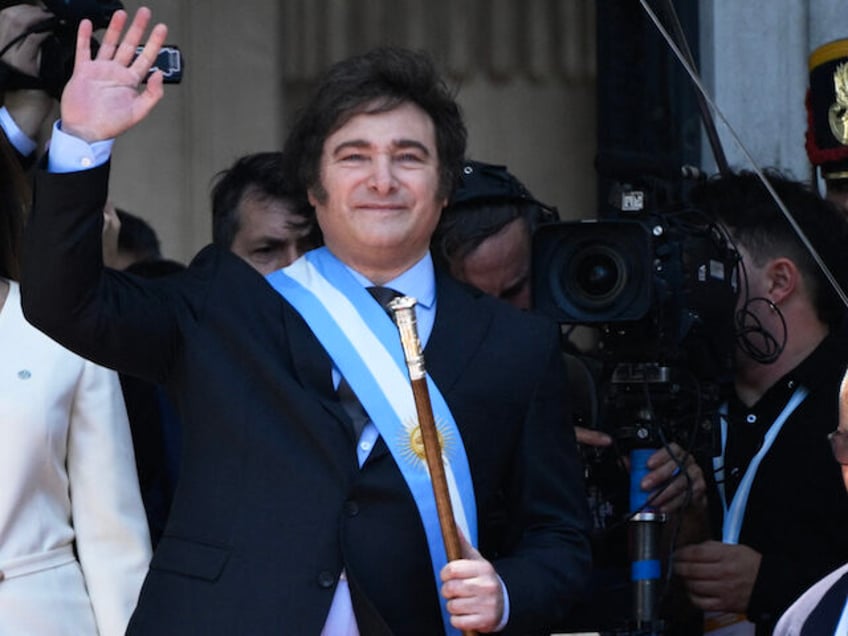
380, 208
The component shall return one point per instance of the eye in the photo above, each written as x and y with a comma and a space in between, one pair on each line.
352, 157
409, 157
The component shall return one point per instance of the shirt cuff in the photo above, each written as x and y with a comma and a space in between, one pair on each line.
71, 154
505, 617
23, 144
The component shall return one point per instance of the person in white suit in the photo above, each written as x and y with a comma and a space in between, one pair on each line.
74, 543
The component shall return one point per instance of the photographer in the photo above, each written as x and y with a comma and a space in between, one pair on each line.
780, 495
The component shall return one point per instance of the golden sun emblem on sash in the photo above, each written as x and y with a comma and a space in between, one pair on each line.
412, 442
837, 114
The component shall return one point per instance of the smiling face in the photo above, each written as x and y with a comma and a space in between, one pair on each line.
379, 202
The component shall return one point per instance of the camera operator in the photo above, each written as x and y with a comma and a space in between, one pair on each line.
484, 238
781, 497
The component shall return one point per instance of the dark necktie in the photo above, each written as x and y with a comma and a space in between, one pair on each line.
825, 615
351, 404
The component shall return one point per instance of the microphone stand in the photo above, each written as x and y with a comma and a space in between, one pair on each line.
645, 565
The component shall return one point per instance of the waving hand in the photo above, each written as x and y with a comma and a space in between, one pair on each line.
106, 95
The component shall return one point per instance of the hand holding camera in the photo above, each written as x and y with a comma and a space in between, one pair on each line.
23, 30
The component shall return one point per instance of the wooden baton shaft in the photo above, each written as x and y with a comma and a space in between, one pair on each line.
433, 454
403, 309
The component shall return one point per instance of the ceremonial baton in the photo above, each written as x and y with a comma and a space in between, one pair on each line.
403, 310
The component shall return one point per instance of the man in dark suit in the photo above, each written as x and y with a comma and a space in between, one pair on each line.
288, 519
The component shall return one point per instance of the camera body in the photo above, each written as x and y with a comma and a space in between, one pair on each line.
660, 287
70, 13
59, 48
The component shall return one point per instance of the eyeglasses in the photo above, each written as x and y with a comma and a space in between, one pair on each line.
839, 445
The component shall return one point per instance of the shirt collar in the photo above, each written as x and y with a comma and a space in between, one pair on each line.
419, 281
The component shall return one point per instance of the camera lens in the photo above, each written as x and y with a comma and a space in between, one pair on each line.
593, 272
598, 274
596, 277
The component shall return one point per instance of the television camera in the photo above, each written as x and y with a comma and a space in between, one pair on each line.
657, 280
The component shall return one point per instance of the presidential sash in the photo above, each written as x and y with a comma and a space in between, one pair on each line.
365, 347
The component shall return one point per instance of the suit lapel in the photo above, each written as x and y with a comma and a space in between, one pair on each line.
311, 364
458, 332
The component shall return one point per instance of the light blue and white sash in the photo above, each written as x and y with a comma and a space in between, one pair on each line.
365, 346
735, 511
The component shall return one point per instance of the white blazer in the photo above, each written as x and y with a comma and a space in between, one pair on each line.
74, 543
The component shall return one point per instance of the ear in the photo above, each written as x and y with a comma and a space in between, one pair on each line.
313, 200
784, 279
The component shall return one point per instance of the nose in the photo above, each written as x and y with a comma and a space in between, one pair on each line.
289, 254
382, 175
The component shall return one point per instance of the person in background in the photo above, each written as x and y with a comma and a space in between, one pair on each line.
780, 506
127, 239
258, 216
484, 237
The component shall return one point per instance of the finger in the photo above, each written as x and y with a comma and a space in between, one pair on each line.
153, 92
670, 454
132, 38
109, 212
695, 571
468, 550
668, 494
83, 51
112, 35
147, 58
705, 552
592, 437
706, 603
670, 472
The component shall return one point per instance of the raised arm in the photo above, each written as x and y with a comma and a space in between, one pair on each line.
101, 314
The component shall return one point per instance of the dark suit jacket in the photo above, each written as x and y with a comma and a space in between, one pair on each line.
271, 504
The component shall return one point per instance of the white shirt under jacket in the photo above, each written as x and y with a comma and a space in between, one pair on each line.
74, 544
